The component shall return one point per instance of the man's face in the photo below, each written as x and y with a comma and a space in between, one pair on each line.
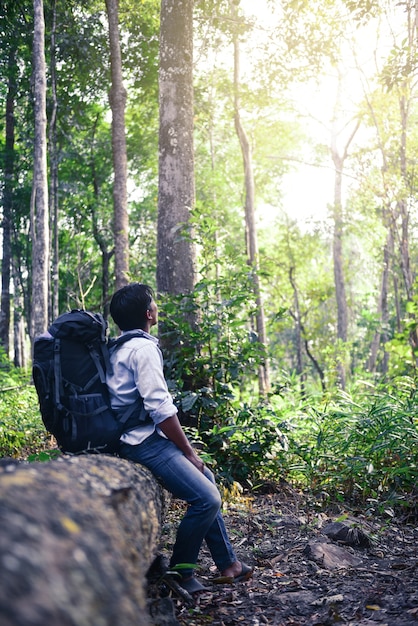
152, 313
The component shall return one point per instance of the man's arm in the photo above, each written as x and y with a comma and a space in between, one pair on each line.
172, 429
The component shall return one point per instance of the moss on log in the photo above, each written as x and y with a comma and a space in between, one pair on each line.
77, 536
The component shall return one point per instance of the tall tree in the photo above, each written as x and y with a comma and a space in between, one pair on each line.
39, 200
176, 193
53, 154
381, 333
339, 158
16, 32
250, 223
7, 202
117, 98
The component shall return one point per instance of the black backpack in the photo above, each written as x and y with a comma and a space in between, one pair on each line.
69, 373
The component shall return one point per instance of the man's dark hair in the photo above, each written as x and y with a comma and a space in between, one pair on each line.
129, 306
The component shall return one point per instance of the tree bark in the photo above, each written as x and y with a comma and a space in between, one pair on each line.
381, 334
404, 214
298, 331
78, 536
7, 203
20, 356
176, 192
120, 196
53, 154
337, 250
39, 200
339, 280
99, 237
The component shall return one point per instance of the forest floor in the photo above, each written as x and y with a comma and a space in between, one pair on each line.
311, 568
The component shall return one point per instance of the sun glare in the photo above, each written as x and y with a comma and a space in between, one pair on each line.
328, 107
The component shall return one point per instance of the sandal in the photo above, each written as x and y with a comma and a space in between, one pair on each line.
192, 585
245, 574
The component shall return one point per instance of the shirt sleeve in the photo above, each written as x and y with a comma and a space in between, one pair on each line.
147, 366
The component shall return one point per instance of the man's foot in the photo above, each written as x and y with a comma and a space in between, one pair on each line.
192, 585
235, 573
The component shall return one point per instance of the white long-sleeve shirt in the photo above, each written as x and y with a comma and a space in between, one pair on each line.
138, 369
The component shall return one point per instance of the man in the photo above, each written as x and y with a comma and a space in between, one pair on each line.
160, 443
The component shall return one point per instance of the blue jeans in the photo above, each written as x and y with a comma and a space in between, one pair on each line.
203, 519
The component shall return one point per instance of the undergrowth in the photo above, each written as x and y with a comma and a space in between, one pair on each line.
21, 429
361, 448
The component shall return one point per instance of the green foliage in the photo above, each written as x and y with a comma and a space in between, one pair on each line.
251, 447
222, 349
212, 364
361, 447
44, 455
21, 427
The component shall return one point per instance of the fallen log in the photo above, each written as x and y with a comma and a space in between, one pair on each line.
77, 536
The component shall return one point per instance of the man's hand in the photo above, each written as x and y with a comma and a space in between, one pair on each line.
172, 429
195, 460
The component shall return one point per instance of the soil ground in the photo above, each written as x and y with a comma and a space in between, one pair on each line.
366, 574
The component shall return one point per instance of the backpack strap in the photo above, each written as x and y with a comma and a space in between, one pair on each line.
58, 388
96, 359
125, 413
104, 352
118, 341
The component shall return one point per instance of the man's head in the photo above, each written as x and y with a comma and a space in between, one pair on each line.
133, 307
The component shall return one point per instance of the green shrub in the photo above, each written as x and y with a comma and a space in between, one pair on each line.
364, 449
251, 448
21, 427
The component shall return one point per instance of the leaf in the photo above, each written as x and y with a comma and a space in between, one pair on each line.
413, 611
223, 580
182, 566
187, 402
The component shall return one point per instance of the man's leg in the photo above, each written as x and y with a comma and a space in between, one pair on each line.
186, 482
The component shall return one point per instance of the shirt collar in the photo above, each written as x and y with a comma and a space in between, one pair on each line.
144, 332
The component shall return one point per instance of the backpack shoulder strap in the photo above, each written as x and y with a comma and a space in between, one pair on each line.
138, 406
58, 388
118, 341
94, 354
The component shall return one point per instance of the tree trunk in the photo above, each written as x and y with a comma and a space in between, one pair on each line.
337, 251
381, 335
298, 332
98, 235
78, 536
339, 280
117, 99
176, 193
53, 154
20, 317
7, 204
403, 212
250, 225
39, 200
20, 357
